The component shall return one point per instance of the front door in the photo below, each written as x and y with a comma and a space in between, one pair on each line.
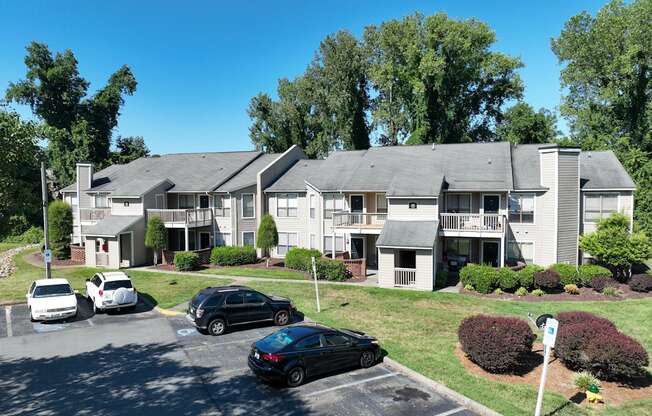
491, 204
357, 206
203, 201
357, 247
125, 250
490, 253
204, 240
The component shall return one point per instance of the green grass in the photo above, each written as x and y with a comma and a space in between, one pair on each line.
256, 272
8, 246
418, 329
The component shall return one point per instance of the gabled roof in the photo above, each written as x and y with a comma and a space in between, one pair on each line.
408, 234
139, 187
111, 226
247, 176
294, 180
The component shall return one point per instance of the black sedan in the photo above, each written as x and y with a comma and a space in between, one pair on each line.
307, 350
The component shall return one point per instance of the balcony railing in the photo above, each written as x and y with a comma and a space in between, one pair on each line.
405, 277
183, 217
359, 219
472, 222
94, 214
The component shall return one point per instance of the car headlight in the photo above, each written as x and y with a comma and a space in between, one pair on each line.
40, 310
200, 312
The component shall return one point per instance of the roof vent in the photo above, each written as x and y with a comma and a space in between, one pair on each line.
371, 165
489, 161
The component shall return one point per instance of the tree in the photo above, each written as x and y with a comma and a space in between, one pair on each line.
156, 236
20, 194
79, 127
129, 149
607, 76
267, 235
437, 80
60, 228
613, 245
522, 125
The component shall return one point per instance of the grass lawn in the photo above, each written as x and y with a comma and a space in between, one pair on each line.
419, 329
256, 272
8, 246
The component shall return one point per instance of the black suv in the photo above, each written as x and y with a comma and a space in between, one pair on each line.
215, 308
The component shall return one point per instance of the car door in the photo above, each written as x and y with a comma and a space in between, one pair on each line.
313, 354
94, 286
257, 307
236, 311
341, 352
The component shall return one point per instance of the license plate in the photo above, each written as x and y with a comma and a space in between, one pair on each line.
256, 355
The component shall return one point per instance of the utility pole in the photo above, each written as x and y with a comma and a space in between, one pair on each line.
47, 254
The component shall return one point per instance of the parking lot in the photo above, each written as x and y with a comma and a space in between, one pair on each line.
145, 363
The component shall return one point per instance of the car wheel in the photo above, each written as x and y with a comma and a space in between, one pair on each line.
282, 318
31, 317
96, 310
217, 327
367, 359
295, 377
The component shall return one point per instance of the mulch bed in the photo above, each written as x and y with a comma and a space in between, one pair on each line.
38, 258
586, 294
560, 380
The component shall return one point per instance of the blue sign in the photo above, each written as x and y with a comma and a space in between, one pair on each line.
47, 256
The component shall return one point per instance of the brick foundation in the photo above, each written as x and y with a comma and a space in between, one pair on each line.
78, 254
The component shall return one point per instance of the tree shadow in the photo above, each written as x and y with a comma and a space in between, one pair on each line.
134, 379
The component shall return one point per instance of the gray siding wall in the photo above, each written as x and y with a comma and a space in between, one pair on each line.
243, 224
84, 178
568, 194
268, 175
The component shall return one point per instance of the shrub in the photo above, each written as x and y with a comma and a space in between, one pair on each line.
333, 270
233, 255
498, 291
616, 356
568, 274
581, 317
526, 275
573, 338
469, 287
572, 289
585, 379
186, 261
156, 236
611, 291
507, 279
60, 228
598, 283
521, 291
547, 280
641, 283
33, 235
482, 277
537, 292
267, 236
299, 258
588, 271
497, 344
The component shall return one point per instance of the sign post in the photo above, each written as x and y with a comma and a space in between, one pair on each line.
44, 196
549, 337
314, 272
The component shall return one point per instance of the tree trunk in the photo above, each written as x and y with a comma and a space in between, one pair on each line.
155, 258
267, 262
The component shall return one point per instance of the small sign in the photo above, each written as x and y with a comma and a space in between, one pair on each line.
550, 332
47, 256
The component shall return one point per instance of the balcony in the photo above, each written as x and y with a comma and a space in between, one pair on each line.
371, 223
181, 218
405, 277
94, 214
472, 225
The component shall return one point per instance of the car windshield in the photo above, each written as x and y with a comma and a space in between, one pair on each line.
117, 284
277, 341
52, 290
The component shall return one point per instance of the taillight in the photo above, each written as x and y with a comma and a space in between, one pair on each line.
101, 292
199, 313
273, 358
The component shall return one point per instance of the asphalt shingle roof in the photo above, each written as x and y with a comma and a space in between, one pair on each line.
409, 234
247, 176
294, 180
111, 226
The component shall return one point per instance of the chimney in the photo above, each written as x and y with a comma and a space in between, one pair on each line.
84, 182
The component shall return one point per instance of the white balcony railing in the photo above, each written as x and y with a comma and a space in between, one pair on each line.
94, 214
184, 217
404, 276
472, 222
359, 219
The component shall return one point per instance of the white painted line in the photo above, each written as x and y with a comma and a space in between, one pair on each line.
233, 370
354, 383
90, 323
451, 412
211, 345
10, 331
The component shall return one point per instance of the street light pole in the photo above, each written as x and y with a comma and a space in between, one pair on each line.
44, 195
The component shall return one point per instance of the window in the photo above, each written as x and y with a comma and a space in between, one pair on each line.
458, 247
285, 242
381, 203
599, 206
309, 343
101, 200
458, 203
222, 239
520, 251
335, 340
248, 238
253, 297
222, 206
235, 299
248, 206
186, 201
286, 205
204, 201
332, 203
328, 243
312, 206
521, 208
313, 241
406, 259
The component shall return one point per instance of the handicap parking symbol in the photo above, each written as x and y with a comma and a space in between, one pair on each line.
187, 332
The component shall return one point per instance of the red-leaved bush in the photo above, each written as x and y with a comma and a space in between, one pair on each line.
578, 317
598, 283
641, 283
615, 356
547, 280
572, 340
497, 344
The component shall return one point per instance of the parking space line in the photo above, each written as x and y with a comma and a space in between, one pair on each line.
451, 412
90, 322
354, 383
217, 344
10, 332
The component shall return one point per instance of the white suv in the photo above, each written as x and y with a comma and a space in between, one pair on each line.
50, 299
112, 290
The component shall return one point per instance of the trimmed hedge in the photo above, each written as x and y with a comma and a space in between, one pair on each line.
572, 340
233, 255
547, 280
186, 261
508, 279
641, 283
482, 277
568, 274
580, 317
497, 344
588, 271
526, 275
599, 283
299, 258
333, 270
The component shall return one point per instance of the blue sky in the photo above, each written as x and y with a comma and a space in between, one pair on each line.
198, 63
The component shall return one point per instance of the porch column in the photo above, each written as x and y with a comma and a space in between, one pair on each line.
333, 245
185, 230
502, 251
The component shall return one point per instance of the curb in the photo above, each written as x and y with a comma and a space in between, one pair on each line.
12, 303
162, 311
441, 389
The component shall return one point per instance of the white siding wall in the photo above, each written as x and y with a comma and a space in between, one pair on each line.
568, 207
291, 224
118, 206
399, 209
546, 236
424, 268
314, 224
385, 267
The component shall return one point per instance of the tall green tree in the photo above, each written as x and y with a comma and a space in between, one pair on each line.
60, 228
129, 149
156, 236
80, 126
267, 237
607, 76
437, 80
520, 124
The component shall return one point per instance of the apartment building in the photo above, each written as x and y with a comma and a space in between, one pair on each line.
408, 211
